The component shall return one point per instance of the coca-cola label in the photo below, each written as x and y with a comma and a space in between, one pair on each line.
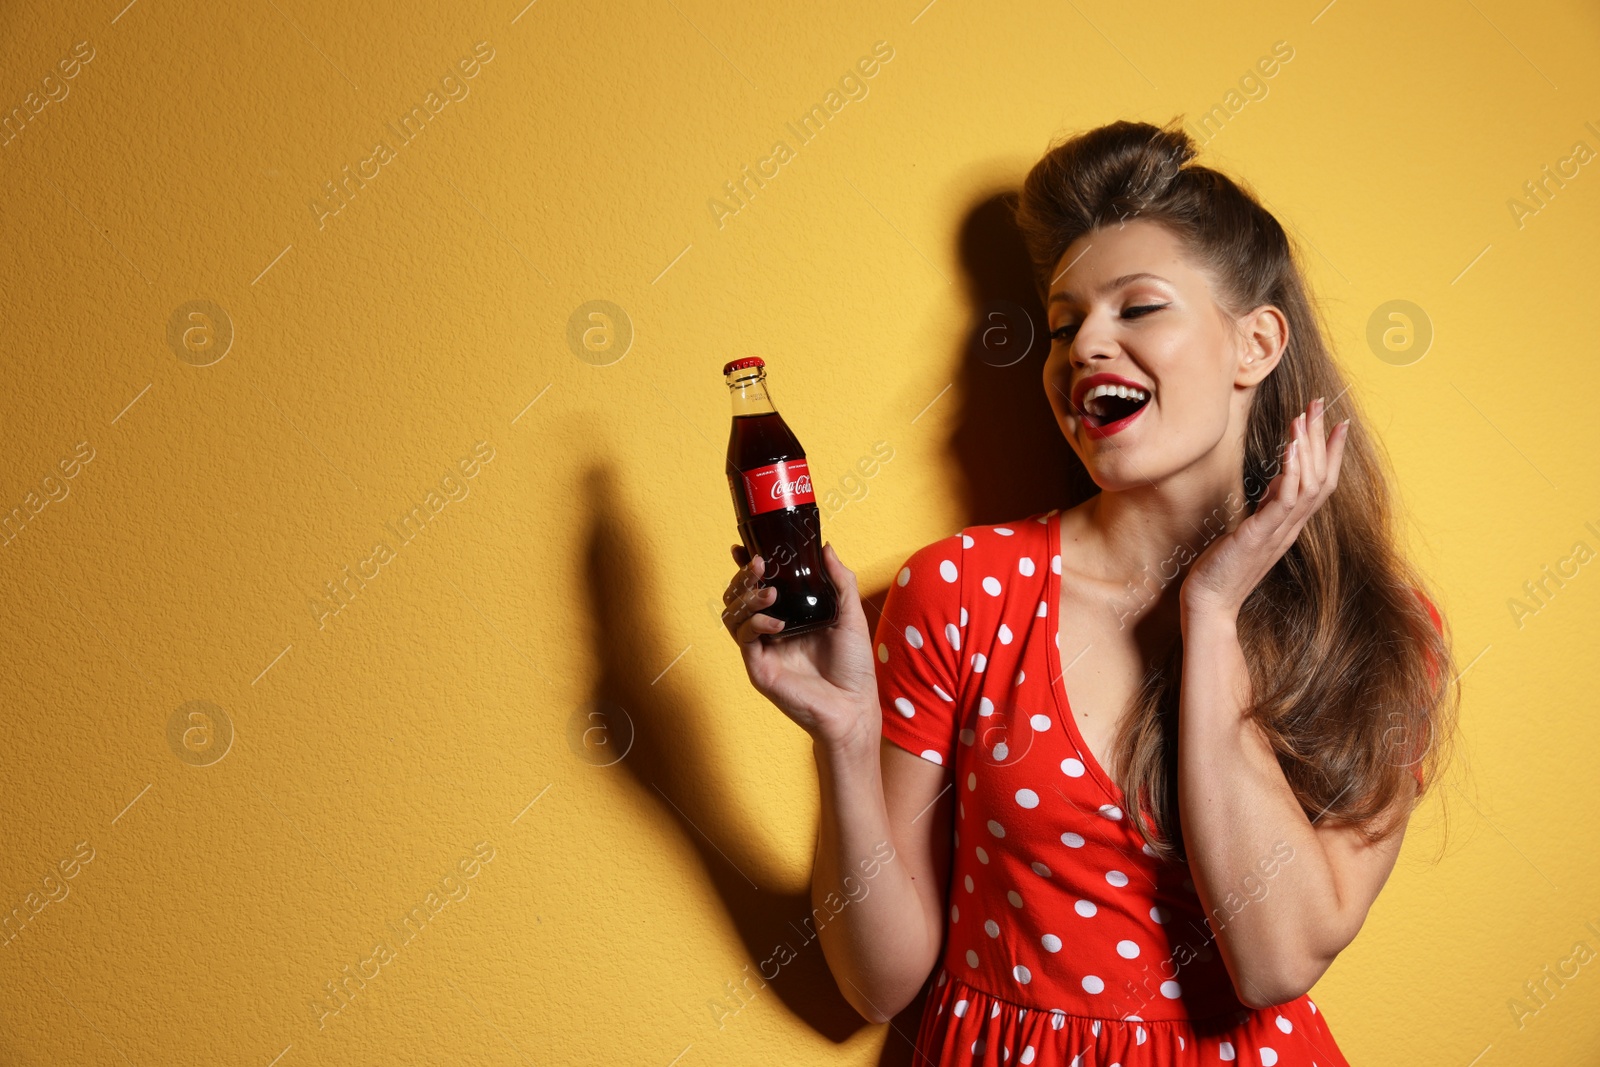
784, 484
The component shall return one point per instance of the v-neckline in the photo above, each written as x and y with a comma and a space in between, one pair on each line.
1058, 686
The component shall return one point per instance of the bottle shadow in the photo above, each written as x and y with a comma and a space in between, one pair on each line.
1013, 462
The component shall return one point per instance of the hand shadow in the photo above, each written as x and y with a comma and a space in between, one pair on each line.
1013, 461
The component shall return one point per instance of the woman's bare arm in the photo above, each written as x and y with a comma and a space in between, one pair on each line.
883, 850
878, 801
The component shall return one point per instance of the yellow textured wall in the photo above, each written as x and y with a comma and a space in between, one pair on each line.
225, 384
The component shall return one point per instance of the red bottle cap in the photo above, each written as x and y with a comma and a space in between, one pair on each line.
748, 361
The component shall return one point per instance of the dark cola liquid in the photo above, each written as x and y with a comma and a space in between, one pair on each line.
789, 539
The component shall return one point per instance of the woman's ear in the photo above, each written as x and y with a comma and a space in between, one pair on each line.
1264, 337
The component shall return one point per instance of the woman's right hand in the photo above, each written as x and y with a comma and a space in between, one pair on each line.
823, 680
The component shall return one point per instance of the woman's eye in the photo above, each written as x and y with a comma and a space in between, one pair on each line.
1063, 332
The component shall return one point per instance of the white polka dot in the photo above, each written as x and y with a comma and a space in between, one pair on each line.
1020, 676
1269, 1056
979, 662
1284, 1024
972, 781
913, 637
1092, 983
1051, 943
904, 576
978, 1046
1055, 564
1311, 1005
966, 541
1021, 974
1040, 723
968, 737
1025, 566
1127, 949
1071, 767
996, 829
1145, 848
1027, 1055
903, 706
1117, 878
963, 616
1042, 612
1005, 634
991, 586
1040, 869
985, 706
952, 636
1160, 914
1015, 898
1171, 990
994, 1013
1181, 1046
960, 1010
1072, 840
972, 958
991, 928
1027, 798
1139, 1035
883, 653
969, 883
1086, 908
947, 571
955, 914
1111, 811
983, 857
1225, 1050
1001, 751
932, 757
1058, 1019
946, 697
1003, 531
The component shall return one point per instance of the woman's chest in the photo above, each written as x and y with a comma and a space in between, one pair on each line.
1025, 785
1110, 653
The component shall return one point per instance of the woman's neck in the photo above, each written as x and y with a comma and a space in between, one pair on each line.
1128, 533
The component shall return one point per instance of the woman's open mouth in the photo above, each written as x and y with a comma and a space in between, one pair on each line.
1109, 409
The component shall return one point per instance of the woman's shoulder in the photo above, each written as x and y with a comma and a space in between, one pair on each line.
949, 553
1027, 529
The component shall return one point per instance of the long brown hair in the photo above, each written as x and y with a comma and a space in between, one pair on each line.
1352, 683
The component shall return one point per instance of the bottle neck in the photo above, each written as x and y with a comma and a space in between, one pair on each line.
748, 388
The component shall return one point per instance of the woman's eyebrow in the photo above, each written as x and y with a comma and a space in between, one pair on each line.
1112, 284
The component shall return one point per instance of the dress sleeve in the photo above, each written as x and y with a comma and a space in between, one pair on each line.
1433, 669
918, 645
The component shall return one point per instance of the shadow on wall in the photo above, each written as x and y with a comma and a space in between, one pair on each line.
1013, 462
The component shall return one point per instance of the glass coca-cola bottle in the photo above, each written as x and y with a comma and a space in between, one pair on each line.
777, 509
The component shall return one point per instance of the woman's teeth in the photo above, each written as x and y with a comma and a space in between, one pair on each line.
1095, 401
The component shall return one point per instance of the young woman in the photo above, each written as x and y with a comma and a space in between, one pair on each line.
1227, 631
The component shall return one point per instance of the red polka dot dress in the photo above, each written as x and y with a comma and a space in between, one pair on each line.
1066, 942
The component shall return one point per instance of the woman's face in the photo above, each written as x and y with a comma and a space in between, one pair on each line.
1125, 303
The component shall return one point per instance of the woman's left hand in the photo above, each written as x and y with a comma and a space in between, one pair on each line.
1224, 574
